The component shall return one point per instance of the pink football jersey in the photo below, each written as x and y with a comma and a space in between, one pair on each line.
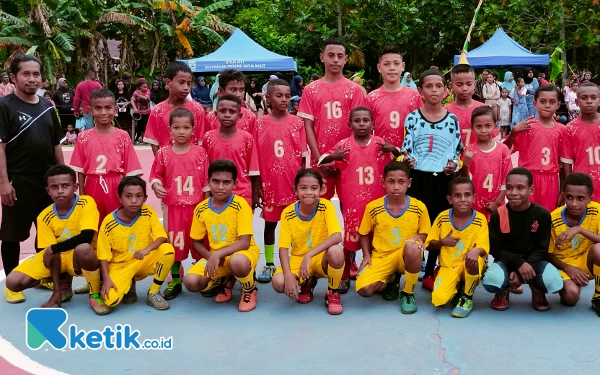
582, 150
281, 146
541, 148
464, 119
389, 111
240, 149
329, 105
246, 122
184, 176
103, 154
157, 130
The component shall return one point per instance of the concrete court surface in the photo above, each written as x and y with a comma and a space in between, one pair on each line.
281, 336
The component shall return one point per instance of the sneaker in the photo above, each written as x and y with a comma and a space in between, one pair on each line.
224, 292
408, 304
306, 291
157, 301
333, 301
501, 300
173, 290
538, 299
248, 301
429, 281
82, 289
267, 274
213, 287
46, 285
66, 291
518, 290
13, 297
353, 272
422, 272
131, 296
344, 286
464, 307
98, 305
392, 290
596, 305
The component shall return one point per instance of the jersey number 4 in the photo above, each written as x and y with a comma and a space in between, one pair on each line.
187, 186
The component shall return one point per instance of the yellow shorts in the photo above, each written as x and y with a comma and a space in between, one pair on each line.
253, 253
381, 269
581, 262
315, 268
122, 273
34, 267
446, 282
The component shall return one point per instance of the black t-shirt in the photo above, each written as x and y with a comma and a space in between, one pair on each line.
30, 132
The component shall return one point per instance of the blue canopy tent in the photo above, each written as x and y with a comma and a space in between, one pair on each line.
502, 50
241, 53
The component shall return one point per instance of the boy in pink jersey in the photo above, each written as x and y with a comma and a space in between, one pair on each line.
325, 108
104, 155
392, 102
231, 81
582, 143
361, 159
487, 161
462, 83
179, 79
228, 142
281, 153
540, 143
179, 178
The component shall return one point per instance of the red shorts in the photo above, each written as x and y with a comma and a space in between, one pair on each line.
545, 189
272, 213
352, 241
330, 184
177, 220
104, 190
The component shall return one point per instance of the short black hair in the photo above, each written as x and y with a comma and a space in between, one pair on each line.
390, 48
230, 98
484, 110
486, 70
181, 113
229, 75
15, 65
332, 42
276, 82
308, 172
494, 74
396, 166
101, 94
461, 68
431, 72
223, 165
314, 76
547, 88
59, 170
131, 181
588, 84
579, 179
359, 108
460, 181
175, 67
520, 171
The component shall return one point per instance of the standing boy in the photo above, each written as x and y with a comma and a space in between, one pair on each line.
82, 97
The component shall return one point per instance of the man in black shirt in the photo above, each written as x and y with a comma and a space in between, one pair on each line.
519, 238
30, 135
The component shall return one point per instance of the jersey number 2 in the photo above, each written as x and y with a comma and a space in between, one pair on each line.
101, 160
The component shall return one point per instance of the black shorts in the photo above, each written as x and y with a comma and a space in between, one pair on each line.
32, 199
431, 189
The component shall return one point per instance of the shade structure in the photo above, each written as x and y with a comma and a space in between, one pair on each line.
502, 50
242, 53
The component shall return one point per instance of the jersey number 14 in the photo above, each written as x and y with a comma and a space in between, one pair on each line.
187, 186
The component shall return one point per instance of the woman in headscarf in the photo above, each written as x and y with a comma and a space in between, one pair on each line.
531, 84
201, 94
254, 91
123, 98
297, 85
370, 85
213, 92
63, 97
407, 80
154, 92
509, 82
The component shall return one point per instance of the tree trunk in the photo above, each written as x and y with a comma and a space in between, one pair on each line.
154, 57
564, 51
339, 17
123, 63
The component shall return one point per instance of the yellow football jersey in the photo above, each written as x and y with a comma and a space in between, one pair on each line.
578, 244
304, 233
391, 231
118, 241
225, 226
474, 234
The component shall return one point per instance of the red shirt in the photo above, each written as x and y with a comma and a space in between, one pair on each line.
157, 130
281, 146
541, 148
389, 111
329, 105
246, 122
103, 154
82, 94
240, 149
184, 176
582, 150
464, 120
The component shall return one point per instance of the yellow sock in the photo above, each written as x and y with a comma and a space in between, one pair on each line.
247, 282
410, 280
161, 271
471, 282
597, 278
334, 276
93, 280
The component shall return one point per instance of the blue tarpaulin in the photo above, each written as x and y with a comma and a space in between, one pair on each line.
242, 53
502, 50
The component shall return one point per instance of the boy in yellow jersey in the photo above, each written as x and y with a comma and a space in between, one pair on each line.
461, 233
66, 237
575, 236
311, 229
400, 225
226, 219
132, 244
